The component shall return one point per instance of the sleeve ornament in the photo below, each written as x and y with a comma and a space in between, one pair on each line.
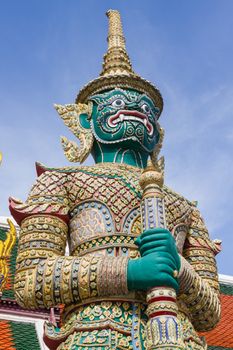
45, 277
198, 278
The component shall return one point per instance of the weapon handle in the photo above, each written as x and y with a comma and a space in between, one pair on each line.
163, 329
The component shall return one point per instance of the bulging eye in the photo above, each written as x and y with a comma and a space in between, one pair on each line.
118, 103
145, 108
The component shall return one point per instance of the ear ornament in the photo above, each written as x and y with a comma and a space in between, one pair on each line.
154, 155
71, 116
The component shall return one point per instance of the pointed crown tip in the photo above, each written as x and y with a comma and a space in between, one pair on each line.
110, 11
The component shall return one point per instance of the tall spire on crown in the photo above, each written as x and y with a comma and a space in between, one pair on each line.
117, 70
116, 60
115, 32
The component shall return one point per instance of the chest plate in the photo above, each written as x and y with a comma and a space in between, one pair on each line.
106, 215
105, 210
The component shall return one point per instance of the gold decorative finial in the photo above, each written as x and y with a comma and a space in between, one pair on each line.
5, 250
116, 60
152, 175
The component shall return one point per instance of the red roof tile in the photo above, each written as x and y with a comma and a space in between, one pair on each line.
7, 342
16, 335
222, 335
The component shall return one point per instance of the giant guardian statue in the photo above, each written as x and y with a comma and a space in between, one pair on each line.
141, 271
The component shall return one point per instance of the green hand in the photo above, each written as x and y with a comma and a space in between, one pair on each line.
159, 259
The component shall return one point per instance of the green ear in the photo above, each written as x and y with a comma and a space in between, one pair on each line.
76, 118
84, 120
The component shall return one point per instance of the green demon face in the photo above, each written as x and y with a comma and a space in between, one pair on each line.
123, 116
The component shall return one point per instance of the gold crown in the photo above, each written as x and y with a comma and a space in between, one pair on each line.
117, 70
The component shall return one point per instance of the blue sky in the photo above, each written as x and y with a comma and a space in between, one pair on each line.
50, 49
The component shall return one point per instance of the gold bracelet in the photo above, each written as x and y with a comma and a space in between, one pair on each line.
112, 276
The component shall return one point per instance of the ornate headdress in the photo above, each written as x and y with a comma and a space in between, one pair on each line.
117, 73
117, 69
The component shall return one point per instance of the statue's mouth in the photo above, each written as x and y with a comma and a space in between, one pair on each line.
123, 115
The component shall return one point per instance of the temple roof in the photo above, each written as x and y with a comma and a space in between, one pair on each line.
221, 337
18, 336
